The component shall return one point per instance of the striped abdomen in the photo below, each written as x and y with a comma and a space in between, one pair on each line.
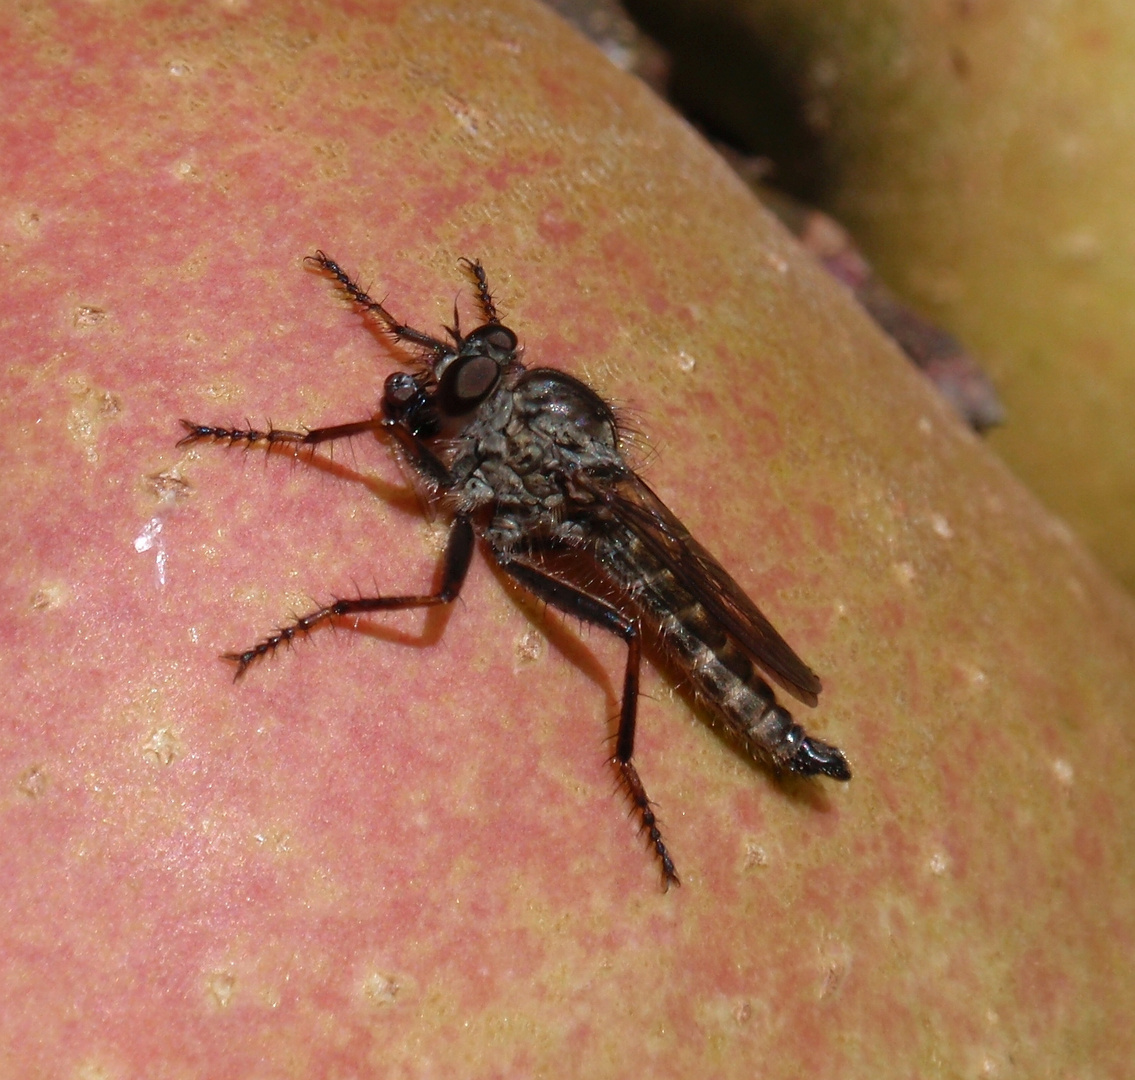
722, 674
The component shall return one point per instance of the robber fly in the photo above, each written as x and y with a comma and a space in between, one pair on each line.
529, 460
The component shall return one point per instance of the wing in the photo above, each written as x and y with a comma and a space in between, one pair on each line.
633, 503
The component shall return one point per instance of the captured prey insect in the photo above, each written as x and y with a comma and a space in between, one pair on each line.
529, 461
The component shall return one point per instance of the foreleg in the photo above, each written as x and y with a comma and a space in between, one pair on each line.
398, 331
276, 436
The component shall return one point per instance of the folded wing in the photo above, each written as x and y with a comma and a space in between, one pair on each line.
632, 502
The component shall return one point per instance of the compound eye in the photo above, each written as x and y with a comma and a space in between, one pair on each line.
496, 340
500, 338
467, 382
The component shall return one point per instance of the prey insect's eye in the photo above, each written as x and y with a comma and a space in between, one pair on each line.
400, 391
466, 382
405, 399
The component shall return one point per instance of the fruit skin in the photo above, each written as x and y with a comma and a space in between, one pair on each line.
376, 858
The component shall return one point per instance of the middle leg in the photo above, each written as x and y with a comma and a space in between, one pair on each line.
573, 601
455, 566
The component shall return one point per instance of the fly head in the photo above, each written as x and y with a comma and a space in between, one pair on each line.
458, 379
469, 374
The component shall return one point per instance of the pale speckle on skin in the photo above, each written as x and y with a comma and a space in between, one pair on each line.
1064, 773
835, 961
380, 988
225, 393
721, 1017
168, 486
466, 115
98, 1070
243, 595
163, 746
91, 410
755, 856
686, 362
88, 315
939, 863
274, 839
177, 68
989, 1067
925, 426
941, 526
1080, 246
219, 986
904, 573
27, 221
1072, 146
973, 675
50, 596
33, 782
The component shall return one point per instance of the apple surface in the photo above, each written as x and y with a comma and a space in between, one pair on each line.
398, 849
